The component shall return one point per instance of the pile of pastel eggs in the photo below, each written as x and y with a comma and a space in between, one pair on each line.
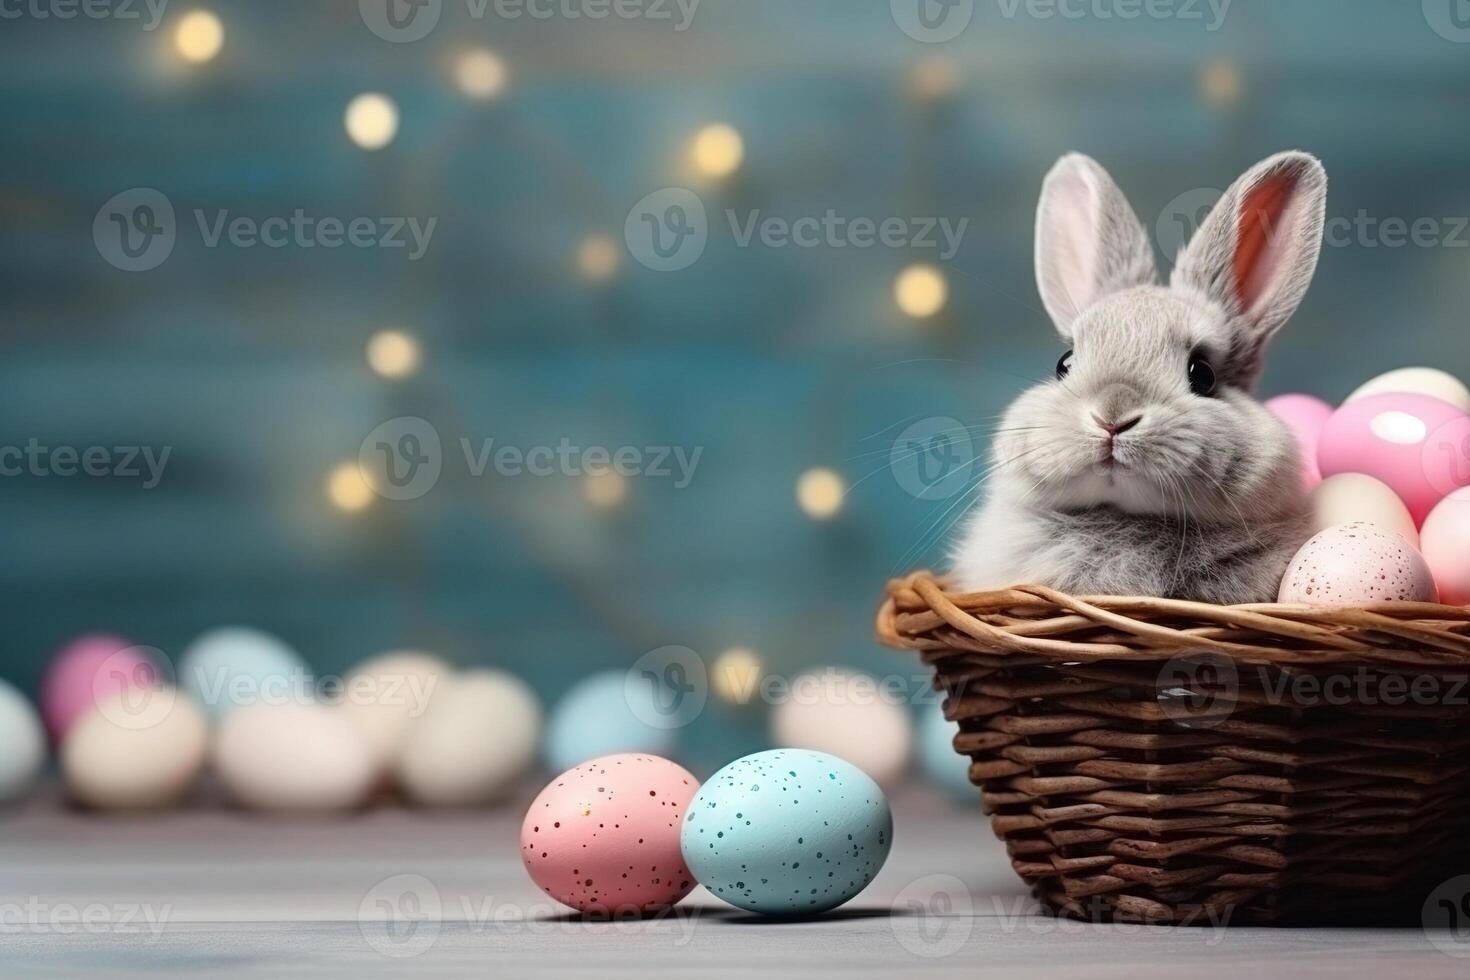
784, 832
131, 735
1388, 474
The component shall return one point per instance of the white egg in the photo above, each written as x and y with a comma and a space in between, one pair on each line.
22, 743
1350, 497
135, 749
385, 695
300, 756
1418, 381
850, 716
478, 738
1357, 565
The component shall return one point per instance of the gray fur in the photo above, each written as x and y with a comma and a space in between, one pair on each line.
1205, 499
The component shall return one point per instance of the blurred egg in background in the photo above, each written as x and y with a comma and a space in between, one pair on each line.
302, 757
237, 665
473, 743
384, 696
136, 749
22, 743
603, 715
86, 670
850, 715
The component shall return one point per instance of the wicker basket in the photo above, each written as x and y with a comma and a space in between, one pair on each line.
1165, 761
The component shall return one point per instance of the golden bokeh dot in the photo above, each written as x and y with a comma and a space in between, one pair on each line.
372, 120
598, 257
480, 74
1220, 83
717, 150
199, 36
737, 675
605, 489
393, 353
820, 491
934, 78
921, 290
348, 488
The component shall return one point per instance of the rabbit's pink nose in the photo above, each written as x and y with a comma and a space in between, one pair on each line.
1115, 429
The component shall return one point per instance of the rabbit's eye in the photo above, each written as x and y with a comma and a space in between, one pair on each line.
1064, 366
1201, 376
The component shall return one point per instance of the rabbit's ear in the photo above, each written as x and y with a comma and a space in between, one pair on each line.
1089, 243
1256, 252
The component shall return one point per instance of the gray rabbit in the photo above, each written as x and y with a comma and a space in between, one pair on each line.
1146, 468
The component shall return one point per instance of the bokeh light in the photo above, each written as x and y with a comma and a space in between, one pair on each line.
921, 290
480, 74
1220, 83
717, 151
934, 78
393, 353
819, 492
199, 36
372, 120
737, 675
598, 257
605, 489
348, 489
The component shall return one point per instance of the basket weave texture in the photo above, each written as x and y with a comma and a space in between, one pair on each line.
1166, 761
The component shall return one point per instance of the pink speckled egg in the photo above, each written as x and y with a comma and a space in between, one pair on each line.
1305, 416
1354, 565
1446, 541
86, 671
604, 836
1413, 443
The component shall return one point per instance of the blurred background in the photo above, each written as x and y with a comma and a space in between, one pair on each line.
300, 272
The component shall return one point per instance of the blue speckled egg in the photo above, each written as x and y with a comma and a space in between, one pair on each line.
603, 715
937, 757
787, 832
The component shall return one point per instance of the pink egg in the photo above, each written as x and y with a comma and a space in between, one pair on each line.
1304, 416
86, 671
1418, 445
1355, 565
1446, 541
604, 835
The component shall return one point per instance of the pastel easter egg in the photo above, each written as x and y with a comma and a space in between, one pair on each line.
22, 743
301, 756
1418, 381
1351, 497
787, 832
848, 715
1410, 442
938, 760
86, 670
604, 835
1446, 542
1305, 416
601, 715
135, 749
473, 743
1356, 565
236, 665
385, 695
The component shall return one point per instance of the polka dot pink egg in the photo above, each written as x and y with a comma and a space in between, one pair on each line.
1357, 564
604, 835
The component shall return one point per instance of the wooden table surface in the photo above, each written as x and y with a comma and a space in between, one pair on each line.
213, 891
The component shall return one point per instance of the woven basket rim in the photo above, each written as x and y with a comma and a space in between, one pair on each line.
919, 613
